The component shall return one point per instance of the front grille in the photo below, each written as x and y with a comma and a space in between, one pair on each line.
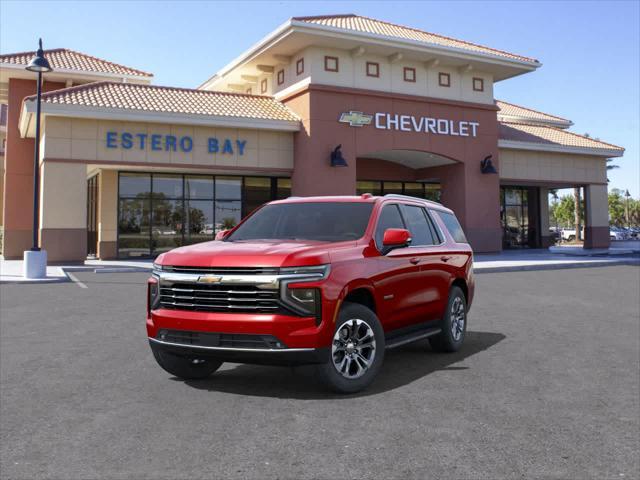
223, 270
218, 298
227, 340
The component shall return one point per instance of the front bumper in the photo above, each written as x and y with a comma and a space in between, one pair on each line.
263, 356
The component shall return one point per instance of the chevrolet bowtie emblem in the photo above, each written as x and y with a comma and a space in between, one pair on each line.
209, 279
356, 119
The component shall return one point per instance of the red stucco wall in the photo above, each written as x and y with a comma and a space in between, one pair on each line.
473, 196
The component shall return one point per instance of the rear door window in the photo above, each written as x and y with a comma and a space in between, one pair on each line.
416, 218
389, 218
452, 224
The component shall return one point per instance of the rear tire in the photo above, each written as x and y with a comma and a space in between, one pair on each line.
454, 324
185, 367
357, 350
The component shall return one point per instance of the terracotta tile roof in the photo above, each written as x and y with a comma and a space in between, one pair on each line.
517, 132
65, 59
379, 27
152, 98
513, 110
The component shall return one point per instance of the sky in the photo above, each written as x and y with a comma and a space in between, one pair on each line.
590, 51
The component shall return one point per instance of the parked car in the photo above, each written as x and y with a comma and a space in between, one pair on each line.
569, 234
331, 281
619, 234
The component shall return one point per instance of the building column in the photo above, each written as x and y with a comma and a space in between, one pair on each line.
107, 214
312, 170
63, 211
596, 216
546, 240
475, 199
18, 173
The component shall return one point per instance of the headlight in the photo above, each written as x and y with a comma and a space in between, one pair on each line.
315, 272
303, 301
153, 297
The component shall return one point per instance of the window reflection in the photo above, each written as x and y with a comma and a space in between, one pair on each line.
228, 214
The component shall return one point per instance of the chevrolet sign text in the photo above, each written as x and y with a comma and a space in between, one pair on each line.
438, 126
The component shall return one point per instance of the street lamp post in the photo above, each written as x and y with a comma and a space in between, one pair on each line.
626, 208
35, 260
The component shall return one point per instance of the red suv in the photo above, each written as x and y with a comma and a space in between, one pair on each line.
332, 281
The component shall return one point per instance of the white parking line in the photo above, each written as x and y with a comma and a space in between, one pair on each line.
75, 280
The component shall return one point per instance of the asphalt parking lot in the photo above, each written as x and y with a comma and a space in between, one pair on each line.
547, 386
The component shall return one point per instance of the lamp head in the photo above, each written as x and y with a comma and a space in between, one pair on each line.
39, 62
337, 160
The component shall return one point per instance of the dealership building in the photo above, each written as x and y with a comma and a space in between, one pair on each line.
331, 105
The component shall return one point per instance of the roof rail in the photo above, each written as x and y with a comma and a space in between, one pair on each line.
408, 197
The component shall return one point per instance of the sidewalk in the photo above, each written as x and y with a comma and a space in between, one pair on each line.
11, 270
506, 261
543, 259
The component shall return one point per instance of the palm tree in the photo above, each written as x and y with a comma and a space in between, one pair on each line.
611, 167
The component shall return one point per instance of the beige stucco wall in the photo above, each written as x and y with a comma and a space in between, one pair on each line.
81, 139
108, 206
352, 73
63, 195
552, 167
597, 211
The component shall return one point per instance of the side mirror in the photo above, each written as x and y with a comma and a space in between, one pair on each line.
395, 238
222, 234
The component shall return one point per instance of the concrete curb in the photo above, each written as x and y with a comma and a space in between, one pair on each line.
555, 266
122, 269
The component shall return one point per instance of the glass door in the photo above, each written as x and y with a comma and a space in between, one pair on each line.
92, 216
518, 214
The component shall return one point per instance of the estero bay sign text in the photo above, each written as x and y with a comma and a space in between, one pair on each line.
171, 143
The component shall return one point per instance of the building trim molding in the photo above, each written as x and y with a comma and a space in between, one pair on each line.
387, 95
555, 148
130, 115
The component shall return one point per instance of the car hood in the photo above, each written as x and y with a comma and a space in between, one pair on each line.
257, 253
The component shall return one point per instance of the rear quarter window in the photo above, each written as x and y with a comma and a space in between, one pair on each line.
451, 222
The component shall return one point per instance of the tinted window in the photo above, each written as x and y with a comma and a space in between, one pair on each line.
417, 225
389, 218
452, 224
320, 221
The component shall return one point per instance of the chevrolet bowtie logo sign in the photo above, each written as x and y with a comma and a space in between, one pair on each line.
356, 119
209, 279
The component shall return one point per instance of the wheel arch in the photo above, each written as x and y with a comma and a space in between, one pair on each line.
360, 293
462, 284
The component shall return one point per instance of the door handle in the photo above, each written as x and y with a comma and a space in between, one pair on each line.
414, 260
445, 258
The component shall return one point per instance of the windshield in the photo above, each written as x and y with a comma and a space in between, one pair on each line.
320, 221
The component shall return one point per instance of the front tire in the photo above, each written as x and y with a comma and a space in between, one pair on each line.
357, 350
185, 367
454, 324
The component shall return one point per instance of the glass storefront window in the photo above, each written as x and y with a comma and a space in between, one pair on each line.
133, 227
429, 191
257, 190
374, 188
200, 221
228, 188
414, 189
158, 212
228, 214
135, 184
199, 188
432, 191
283, 188
167, 186
167, 223
392, 187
